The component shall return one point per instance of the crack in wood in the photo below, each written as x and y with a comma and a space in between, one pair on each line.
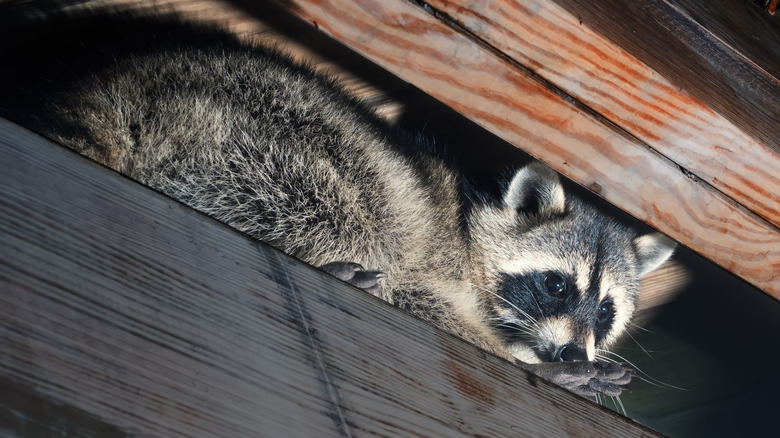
297, 308
459, 28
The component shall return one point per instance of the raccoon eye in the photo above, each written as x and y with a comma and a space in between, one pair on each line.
555, 284
605, 312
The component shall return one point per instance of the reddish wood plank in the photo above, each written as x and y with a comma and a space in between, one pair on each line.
551, 42
413, 44
517, 108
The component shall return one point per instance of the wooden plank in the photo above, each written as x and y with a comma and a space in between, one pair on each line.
126, 313
725, 52
494, 92
550, 41
744, 26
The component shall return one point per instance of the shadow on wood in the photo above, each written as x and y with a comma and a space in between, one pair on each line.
130, 308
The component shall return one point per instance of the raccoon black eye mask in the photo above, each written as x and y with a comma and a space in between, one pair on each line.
283, 153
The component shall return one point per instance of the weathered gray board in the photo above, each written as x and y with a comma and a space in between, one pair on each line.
123, 312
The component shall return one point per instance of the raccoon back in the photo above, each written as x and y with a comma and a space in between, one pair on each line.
240, 132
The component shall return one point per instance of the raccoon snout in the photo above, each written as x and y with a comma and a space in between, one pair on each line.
570, 353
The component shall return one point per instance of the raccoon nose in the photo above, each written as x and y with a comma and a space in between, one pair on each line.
570, 353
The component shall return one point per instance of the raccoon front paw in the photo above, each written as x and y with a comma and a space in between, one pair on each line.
611, 379
356, 275
586, 378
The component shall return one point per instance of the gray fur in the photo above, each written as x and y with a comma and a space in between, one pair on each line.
283, 154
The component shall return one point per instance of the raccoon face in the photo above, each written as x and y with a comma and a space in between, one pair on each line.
565, 277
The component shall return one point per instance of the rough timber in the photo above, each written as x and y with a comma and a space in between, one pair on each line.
528, 71
124, 312
82, 337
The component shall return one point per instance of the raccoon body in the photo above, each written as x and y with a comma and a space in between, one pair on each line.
284, 154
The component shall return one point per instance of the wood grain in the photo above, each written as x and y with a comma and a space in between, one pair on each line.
126, 312
744, 26
552, 43
534, 114
724, 52
493, 92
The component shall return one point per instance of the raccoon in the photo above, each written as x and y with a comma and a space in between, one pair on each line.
283, 153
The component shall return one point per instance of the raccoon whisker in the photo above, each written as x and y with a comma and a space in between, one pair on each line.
528, 329
601, 352
639, 345
619, 405
522, 329
523, 326
541, 312
605, 358
504, 322
511, 304
641, 328
643, 375
507, 322
660, 383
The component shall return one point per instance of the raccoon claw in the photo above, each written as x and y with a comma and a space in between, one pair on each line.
356, 275
586, 378
611, 379
616, 373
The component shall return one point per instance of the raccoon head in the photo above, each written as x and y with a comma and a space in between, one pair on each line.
562, 278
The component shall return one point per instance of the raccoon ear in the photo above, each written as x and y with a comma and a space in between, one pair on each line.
536, 189
652, 250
